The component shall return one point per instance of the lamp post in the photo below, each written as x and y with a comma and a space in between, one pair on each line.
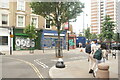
68, 35
84, 15
83, 23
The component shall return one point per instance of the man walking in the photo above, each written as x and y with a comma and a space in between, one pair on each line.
88, 49
92, 60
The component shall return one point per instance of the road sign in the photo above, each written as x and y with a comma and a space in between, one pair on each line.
11, 36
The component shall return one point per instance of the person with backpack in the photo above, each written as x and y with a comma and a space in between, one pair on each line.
88, 49
92, 60
100, 56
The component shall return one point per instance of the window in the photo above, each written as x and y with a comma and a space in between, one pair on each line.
20, 20
5, 19
48, 24
4, 4
35, 21
21, 5
3, 40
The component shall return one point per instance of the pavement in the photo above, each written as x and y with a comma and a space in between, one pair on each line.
80, 68
27, 52
73, 69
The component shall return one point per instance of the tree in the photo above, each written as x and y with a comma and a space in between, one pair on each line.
31, 32
58, 13
116, 37
87, 33
80, 34
100, 37
107, 28
93, 36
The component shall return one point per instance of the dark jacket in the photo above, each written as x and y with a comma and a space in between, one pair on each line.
88, 48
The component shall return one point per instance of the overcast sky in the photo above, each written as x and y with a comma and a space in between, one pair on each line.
78, 25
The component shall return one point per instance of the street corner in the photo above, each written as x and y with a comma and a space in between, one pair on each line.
57, 72
72, 70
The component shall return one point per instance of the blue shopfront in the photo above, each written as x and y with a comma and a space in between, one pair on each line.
50, 37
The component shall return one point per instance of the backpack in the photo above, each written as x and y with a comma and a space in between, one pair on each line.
88, 48
98, 54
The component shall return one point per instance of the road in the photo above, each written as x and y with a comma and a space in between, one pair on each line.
33, 66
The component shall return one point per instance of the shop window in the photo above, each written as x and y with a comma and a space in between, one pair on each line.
3, 40
5, 19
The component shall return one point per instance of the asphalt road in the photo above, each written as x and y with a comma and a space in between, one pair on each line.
33, 66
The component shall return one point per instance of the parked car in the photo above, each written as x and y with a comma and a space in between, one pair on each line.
115, 46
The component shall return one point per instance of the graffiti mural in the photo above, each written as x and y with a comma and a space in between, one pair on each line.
23, 43
47, 42
71, 42
51, 42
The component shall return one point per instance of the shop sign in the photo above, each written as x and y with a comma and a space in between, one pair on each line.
11, 36
53, 34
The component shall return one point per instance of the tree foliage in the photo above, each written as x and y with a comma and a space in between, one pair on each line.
93, 36
100, 37
108, 28
116, 37
87, 33
57, 12
80, 34
30, 31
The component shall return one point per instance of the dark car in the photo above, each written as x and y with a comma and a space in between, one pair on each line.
118, 46
115, 46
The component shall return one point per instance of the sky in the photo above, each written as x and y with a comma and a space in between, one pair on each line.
78, 25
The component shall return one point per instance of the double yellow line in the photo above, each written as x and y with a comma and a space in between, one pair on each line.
33, 67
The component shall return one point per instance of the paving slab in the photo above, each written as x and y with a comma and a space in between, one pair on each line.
80, 68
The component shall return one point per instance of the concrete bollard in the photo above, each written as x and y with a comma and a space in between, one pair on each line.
103, 71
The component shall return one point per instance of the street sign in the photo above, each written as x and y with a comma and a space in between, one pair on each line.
11, 36
68, 31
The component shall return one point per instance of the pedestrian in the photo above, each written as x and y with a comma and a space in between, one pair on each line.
103, 53
88, 49
92, 60
80, 45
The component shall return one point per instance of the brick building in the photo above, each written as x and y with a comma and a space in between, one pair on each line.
14, 16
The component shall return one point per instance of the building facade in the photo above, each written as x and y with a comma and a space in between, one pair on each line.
118, 16
100, 8
14, 16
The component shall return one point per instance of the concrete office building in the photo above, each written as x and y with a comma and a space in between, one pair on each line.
100, 8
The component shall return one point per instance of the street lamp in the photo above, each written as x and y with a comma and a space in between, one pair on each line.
68, 34
84, 22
